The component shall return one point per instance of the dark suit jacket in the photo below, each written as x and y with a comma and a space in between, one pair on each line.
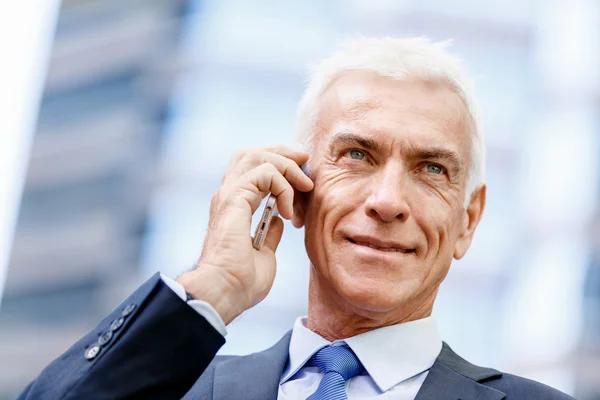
160, 348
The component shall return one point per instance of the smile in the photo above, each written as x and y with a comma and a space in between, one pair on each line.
381, 247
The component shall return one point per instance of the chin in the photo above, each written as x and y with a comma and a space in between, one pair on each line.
374, 295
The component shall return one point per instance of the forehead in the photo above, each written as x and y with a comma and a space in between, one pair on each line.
396, 110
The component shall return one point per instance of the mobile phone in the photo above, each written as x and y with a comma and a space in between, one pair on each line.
263, 225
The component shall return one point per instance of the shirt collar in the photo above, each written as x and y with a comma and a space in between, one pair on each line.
390, 354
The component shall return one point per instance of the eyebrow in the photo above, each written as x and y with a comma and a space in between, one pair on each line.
353, 139
432, 153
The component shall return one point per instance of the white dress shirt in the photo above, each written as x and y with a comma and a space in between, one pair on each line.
396, 358
201, 307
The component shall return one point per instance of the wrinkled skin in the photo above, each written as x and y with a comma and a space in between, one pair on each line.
390, 162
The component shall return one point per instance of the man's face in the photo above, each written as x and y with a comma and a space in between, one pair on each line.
387, 215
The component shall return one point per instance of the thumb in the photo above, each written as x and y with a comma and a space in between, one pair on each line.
274, 235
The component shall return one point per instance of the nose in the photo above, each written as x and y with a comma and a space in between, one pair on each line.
388, 198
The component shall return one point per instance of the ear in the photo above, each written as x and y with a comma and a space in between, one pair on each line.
471, 217
300, 203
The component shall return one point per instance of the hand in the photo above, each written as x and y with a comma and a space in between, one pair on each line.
231, 275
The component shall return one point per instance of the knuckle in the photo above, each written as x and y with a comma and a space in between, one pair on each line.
232, 198
249, 156
249, 152
237, 155
229, 199
290, 165
215, 197
243, 154
268, 167
215, 201
274, 148
246, 154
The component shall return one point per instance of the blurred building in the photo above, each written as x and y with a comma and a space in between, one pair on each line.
93, 163
103, 207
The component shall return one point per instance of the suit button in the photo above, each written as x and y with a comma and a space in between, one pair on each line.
92, 352
128, 310
116, 324
105, 338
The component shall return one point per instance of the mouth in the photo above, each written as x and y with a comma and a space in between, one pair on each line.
380, 246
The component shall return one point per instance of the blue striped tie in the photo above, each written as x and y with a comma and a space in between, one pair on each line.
339, 364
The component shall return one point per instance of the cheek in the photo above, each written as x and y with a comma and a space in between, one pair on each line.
438, 222
334, 197
335, 192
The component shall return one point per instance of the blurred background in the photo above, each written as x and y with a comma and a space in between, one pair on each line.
132, 110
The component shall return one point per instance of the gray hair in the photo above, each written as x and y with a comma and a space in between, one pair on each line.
396, 58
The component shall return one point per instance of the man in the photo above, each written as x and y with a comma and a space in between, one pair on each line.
394, 191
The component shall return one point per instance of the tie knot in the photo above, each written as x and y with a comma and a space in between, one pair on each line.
338, 359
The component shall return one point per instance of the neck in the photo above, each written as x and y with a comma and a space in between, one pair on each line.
334, 317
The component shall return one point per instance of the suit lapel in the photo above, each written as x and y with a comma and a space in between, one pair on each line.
452, 377
255, 376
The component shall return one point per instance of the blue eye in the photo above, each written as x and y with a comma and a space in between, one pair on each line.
434, 169
357, 154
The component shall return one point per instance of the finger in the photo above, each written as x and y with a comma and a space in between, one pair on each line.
274, 235
299, 156
291, 171
266, 178
286, 166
